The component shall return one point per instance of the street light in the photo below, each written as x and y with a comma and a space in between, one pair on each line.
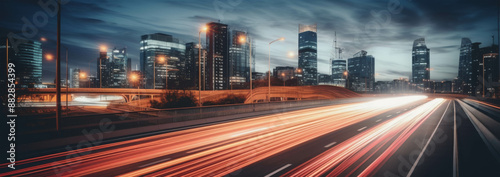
83, 75
243, 39
135, 78
269, 72
346, 73
49, 57
67, 83
283, 75
204, 29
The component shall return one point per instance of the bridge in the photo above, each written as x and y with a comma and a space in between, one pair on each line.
278, 93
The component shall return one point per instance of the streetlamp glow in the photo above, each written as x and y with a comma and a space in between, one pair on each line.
83, 75
49, 57
242, 39
103, 48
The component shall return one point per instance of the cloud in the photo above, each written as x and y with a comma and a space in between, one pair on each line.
88, 24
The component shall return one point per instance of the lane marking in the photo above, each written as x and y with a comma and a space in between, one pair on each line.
152, 163
361, 128
378, 120
331, 144
455, 146
398, 112
427, 144
278, 170
389, 115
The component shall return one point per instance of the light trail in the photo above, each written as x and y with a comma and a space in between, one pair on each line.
352, 153
216, 149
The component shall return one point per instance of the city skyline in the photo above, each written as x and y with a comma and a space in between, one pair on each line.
86, 26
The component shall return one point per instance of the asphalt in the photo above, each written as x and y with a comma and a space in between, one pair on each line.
446, 142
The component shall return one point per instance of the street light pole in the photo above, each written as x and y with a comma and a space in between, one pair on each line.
484, 84
100, 73
251, 79
58, 66
269, 72
199, 69
199, 66
154, 74
67, 86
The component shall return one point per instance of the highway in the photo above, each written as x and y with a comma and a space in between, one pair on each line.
395, 136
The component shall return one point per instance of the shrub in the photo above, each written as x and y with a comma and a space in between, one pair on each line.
229, 99
175, 99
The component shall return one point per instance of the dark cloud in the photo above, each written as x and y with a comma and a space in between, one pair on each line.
88, 24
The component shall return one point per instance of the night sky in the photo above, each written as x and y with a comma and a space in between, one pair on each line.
383, 31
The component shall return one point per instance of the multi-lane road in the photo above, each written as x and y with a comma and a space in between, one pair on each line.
398, 136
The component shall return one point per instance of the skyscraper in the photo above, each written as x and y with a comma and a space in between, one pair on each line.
118, 68
191, 68
217, 69
361, 75
103, 70
74, 78
420, 64
489, 61
159, 53
308, 61
239, 55
27, 60
338, 69
468, 68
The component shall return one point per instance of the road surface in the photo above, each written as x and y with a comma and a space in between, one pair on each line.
398, 136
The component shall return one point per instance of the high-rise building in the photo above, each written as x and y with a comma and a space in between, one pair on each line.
74, 78
308, 61
420, 64
27, 60
159, 53
339, 67
118, 66
217, 68
103, 70
361, 72
239, 57
489, 70
191, 67
465, 67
